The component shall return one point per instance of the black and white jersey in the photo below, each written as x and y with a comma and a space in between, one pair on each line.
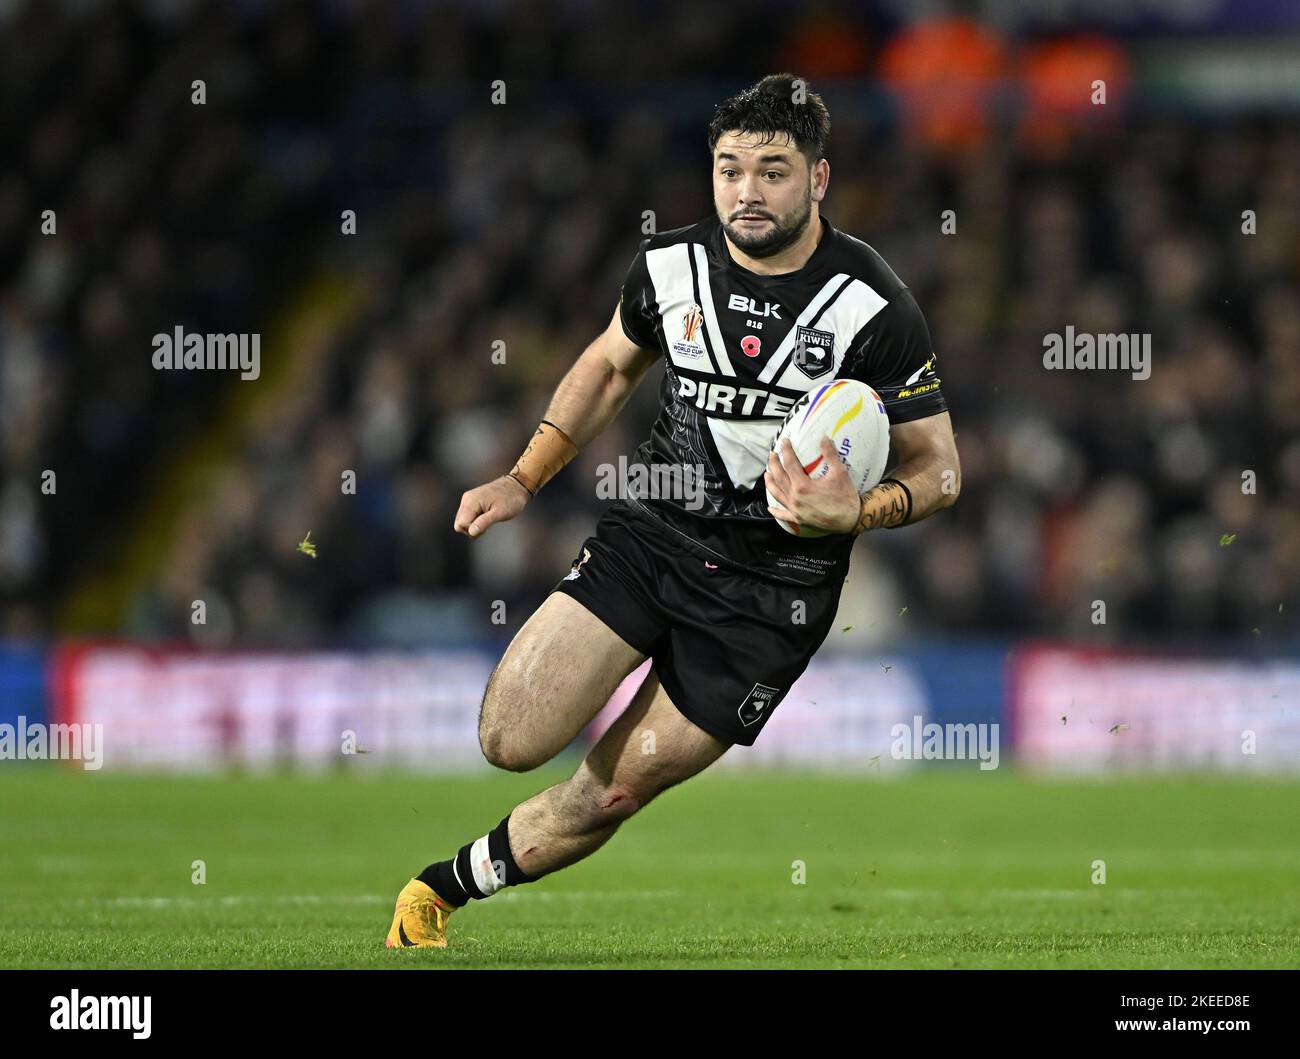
739, 350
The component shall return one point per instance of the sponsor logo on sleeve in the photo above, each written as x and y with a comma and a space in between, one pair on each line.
921, 381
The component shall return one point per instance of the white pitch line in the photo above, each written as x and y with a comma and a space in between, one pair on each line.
593, 895
230, 900
1003, 893
999, 893
247, 899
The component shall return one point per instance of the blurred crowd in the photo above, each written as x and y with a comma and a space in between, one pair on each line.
491, 241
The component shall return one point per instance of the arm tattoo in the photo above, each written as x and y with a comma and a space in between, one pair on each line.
884, 506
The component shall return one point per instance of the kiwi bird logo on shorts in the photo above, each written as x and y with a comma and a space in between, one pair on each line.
756, 703
577, 565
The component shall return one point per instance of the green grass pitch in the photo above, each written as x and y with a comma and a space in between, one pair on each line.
935, 869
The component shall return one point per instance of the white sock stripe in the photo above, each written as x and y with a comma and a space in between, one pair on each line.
457, 874
480, 862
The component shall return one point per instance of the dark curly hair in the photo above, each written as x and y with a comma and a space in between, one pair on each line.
768, 109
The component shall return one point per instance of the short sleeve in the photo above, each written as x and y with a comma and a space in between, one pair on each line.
637, 303
893, 355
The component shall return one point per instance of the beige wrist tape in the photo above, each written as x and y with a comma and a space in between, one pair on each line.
547, 453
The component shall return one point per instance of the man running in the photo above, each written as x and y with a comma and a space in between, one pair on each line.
750, 309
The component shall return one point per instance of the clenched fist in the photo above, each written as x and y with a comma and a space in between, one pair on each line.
498, 501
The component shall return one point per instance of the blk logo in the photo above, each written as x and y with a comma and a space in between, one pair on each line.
742, 304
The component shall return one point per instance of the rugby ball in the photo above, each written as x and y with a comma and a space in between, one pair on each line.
852, 415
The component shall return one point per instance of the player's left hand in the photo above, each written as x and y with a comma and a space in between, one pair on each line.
828, 503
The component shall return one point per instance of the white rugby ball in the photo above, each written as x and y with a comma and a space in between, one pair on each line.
852, 415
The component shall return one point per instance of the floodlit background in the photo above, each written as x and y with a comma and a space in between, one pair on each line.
1171, 209
262, 781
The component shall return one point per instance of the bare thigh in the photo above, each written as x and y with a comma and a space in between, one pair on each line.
650, 748
555, 676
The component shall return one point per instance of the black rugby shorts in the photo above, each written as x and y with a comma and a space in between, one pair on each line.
726, 643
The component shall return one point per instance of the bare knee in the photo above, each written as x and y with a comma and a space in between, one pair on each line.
501, 743
512, 758
506, 751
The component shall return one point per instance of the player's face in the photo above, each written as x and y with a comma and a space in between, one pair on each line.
762, 191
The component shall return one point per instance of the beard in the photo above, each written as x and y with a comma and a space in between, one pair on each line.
785, 231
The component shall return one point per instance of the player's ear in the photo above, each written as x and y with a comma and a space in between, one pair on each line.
821, 176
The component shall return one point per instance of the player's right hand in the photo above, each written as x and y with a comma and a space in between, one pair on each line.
498, 501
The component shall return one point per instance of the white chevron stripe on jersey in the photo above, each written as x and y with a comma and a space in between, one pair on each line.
718, 345
848, 315
743, 445
670, 273
810, 310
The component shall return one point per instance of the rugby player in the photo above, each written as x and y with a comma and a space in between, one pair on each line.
749, 309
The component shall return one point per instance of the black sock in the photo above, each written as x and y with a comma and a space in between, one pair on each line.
461, 879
